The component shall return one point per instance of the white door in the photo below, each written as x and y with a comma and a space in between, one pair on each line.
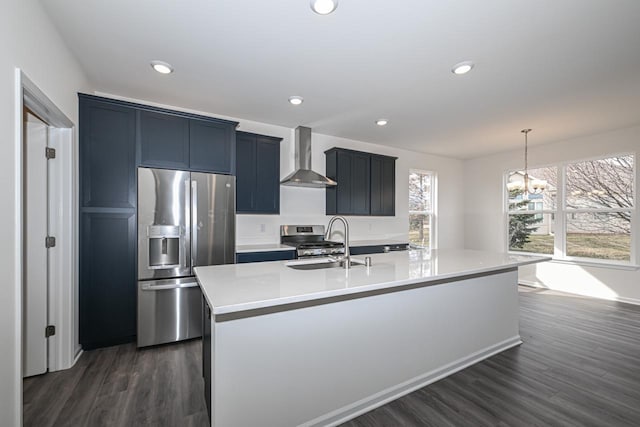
34, 354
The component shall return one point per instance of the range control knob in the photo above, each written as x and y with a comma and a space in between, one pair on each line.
307, 252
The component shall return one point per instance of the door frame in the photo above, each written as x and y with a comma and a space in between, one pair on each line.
63, 290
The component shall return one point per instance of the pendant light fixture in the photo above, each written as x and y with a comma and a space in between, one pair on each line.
531, 186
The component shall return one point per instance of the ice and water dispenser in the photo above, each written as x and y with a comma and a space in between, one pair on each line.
164, 246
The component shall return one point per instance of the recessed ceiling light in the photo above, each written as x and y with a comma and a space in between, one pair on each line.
296, 100
162, 67
462, 67
382, 122
324, 7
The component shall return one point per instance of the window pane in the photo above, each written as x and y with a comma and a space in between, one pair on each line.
603, 183
420, 192
531, 233
599, 235
541, 178
419, 229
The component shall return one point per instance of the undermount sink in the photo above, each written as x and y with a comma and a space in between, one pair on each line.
314, 266
320, 263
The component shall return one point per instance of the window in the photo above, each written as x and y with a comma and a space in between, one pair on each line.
531, 216
593, 215
421, 208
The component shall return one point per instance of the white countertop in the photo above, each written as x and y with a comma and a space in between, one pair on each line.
235, 288
265, 247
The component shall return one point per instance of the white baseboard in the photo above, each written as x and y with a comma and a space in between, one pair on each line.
533, 284
367, 404
75, 359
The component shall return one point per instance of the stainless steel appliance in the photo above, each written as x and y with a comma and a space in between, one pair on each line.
303, 176
309, 241
185, 219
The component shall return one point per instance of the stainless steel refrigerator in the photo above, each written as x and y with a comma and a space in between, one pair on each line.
185, 220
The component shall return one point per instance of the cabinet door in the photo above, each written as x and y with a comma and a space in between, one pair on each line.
360, 179
107, 155
344, 165
211, 146
245, 172
107, 279
383, 185
244, 257
163, 140
267, 193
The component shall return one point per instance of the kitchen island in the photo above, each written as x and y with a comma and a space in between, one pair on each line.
292, 347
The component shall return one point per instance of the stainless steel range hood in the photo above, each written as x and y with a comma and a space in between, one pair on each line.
303, 176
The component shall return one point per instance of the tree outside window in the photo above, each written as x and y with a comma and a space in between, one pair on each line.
421, 188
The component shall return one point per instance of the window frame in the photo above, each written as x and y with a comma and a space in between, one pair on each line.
561, 212
431, 214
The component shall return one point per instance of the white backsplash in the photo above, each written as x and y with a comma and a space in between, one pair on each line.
259, 229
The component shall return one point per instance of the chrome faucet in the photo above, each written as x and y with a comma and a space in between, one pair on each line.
347, 256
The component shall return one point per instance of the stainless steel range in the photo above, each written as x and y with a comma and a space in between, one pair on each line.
309, 241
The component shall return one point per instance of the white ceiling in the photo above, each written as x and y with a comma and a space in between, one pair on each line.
562, 67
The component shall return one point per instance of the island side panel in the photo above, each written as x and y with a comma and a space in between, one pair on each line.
324, 364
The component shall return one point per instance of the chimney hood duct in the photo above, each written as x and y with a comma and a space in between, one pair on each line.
303, 176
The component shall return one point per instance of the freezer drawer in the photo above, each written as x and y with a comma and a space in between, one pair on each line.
168, 310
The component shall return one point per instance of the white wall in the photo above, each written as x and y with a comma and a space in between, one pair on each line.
307, 205
29, 41
484, 217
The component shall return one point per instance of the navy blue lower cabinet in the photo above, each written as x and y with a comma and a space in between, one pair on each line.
107, 279
377, 249
244, 257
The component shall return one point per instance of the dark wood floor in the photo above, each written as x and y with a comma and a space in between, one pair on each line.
122, 386
579, 366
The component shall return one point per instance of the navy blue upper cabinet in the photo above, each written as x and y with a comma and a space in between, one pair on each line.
163, 140
383, 185
366, 183
176, 142
211, 146
257, 174
107, 155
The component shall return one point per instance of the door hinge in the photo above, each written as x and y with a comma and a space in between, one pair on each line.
49, 242
50, 153
49, 331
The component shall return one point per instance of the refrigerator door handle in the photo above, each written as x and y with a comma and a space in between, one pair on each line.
186, 240
194, 222
149, 287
